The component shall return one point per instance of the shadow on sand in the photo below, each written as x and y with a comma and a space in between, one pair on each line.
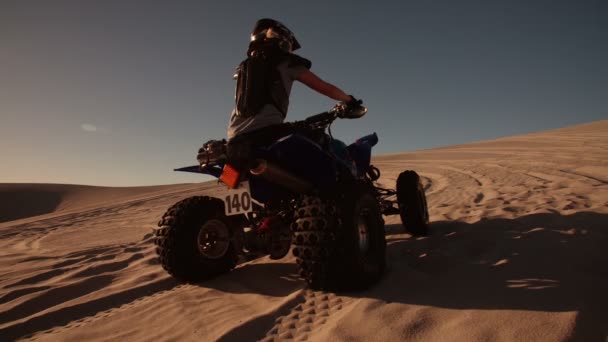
18, 204
76, 312
277, 279
539, 262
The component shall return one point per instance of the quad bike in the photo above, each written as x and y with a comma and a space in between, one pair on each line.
306, 191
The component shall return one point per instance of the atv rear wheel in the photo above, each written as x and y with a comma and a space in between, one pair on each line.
364, 258
412, 203
340, 249
194, 239
314, 241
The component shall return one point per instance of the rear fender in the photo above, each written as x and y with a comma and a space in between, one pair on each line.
215, 171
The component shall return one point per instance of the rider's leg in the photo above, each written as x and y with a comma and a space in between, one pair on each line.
241, 148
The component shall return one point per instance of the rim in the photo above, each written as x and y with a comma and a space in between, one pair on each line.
213, 239
422, 205
363, 231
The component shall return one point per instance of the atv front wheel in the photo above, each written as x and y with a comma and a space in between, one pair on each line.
412, 203
194, 239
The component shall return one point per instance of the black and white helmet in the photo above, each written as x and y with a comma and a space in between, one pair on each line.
269, 30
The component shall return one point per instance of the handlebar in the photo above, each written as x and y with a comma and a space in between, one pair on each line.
321, 119
340, 110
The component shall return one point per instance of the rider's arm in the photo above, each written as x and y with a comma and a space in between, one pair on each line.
314, 82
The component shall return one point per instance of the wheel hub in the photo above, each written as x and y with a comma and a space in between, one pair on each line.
363, 232
213, 239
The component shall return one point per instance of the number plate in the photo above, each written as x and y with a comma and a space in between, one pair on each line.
238, 201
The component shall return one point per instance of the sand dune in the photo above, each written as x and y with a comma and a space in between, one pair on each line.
517, 253
22, 201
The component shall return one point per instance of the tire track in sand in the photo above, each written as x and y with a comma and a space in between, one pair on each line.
303, 312
79, 287
61, 317
106, 313
305, 317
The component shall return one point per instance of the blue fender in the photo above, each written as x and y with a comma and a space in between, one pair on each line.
361, 152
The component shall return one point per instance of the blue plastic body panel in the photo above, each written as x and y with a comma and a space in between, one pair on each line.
361, 152
302, 158
305, 159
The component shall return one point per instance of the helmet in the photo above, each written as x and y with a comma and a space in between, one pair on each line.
269, 30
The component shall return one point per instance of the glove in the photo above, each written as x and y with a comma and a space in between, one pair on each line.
352, 109
353, 102
345, 109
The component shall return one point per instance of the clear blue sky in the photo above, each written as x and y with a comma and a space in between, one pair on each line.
121, 92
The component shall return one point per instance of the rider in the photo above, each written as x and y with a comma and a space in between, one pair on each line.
264, 82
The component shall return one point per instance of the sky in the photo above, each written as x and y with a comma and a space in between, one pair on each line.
119, 93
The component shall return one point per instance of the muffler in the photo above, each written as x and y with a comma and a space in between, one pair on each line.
277, 175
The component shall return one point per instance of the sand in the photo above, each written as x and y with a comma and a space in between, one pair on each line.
518, 252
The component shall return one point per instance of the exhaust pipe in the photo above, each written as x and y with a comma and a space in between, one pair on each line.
277, 175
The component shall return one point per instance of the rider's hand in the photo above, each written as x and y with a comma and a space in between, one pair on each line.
352, 109
343, 108
353, 102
